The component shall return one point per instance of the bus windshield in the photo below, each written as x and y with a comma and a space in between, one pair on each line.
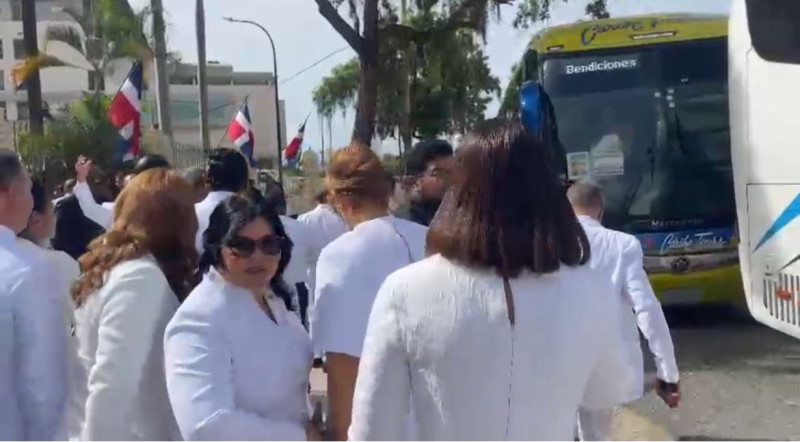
650, 125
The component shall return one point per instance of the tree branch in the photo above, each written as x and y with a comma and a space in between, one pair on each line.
350, 35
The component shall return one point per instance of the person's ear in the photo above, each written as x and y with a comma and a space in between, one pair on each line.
35, 219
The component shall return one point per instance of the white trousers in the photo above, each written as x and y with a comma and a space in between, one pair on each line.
595, 424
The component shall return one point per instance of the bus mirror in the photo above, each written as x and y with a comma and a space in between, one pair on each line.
531, 106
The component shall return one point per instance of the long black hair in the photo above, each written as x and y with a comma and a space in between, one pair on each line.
227, 220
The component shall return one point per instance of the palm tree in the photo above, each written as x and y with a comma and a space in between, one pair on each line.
102, 32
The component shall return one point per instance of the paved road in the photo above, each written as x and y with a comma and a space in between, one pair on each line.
740, 381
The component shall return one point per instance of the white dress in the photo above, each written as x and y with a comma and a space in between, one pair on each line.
440, 334
233, 373
120, 330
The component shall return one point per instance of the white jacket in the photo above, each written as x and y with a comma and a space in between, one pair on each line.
120, 330
233, 373
619, 255
33, 362
63, 271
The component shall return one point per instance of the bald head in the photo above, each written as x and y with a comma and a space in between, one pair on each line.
586, 198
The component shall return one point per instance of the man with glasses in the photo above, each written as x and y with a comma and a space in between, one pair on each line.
428, 167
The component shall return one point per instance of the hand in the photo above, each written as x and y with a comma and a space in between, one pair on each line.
312, 432
669, 393
82, 168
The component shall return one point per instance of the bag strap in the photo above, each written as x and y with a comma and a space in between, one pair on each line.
411, 259
509, 300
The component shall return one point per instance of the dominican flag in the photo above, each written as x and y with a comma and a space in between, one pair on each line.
240, 131
125, 113
291, 153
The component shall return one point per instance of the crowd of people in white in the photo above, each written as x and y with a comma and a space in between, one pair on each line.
495, 306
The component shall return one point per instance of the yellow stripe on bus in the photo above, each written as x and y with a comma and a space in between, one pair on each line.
629, 31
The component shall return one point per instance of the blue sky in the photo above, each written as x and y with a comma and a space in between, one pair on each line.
302, 37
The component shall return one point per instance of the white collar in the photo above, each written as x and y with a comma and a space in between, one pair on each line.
7, 235
586, 219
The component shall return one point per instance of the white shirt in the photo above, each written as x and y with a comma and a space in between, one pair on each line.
120, 330
324, 225
440, 334
33, 361
619, 255
350, 271
102, 214
203, 210
303, 256
233, 373
63, 271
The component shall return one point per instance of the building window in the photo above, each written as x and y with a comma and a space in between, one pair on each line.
96, 81
3, 113
19, 48
2, 80
23, 111
16, 10
1, 50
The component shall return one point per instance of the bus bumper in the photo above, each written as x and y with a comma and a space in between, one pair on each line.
722, 285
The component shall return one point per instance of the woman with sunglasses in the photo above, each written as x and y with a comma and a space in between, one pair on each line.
237, 360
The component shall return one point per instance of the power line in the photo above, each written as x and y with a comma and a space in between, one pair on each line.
314, 64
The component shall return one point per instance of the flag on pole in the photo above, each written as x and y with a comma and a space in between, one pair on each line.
125, 112
240, 131
291, 153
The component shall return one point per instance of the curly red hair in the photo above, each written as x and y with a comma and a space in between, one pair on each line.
153, 215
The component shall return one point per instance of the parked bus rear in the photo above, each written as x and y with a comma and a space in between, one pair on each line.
641, 107
764, 53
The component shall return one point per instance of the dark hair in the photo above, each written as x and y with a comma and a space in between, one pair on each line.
10, 166
424, 152
275, 198
149, 161
586, 195
506, 209
229, 218
321, 197
39, 196
227, 170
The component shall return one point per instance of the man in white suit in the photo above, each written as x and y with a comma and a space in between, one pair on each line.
619, 255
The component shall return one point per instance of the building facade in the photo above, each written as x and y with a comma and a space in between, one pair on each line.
60, 85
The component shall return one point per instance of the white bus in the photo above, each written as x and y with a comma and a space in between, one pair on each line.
764, 81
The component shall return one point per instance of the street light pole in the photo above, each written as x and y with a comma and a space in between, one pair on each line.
277, 95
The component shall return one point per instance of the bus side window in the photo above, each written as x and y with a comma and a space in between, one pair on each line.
775, 29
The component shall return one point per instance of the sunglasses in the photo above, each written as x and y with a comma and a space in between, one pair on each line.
270, 245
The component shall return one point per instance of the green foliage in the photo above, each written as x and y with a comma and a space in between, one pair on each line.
450, 80
79, 128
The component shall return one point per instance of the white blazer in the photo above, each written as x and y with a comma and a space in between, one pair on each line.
233, 373
439, 334
33, 361
63, 271
619, 256
120, 330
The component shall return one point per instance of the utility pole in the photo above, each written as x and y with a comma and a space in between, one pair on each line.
202, 84
278, 119
33, 83
162, 76
405, 120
